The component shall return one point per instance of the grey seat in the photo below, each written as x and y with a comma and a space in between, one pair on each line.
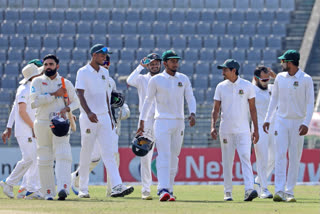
131, 41
258, 42
4, 42
53, 27
179, 41
210, 41
84, 28
144, 28
148, 15
192, 15
163, 15
222, 54
254, 55
234, 28
160, 4
141, 53
196, 4
115, 56
31, 53
226, 42
181, 4
207, 16
204, 28
82, 42
8, 27
127, 54
99, 28
264, 29
195, 42
42, 14
74, 67
129, 28
274, 42
63, 66
163, 42
118, 15
242, 41
248, 68
238, 54
27, 15
190, 54
50, 41
34, 41
72, 15
80, 54
219, 29
206, 54
188, 28
115, 41
23, 28
222, 16
38, 27
147, 41
17, 41
87, 15
114, 27
133, 15
11, 69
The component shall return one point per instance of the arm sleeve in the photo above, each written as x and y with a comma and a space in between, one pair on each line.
191, 100
252, 92
273, 101
133, 77
36, 97
149, 99
309, 102
80, 83
217, 95
11, 116
74, 100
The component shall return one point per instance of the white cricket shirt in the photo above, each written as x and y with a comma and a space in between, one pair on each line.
169, 93
234, 105
262, 102
294, 96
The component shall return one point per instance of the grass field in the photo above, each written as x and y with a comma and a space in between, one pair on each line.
190, 199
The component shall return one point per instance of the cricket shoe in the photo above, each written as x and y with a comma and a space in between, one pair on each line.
62, 195
257, 187
265, 194
146, 196
290, 198
48, 197
33, 195
164, 195
83, 195
279, 196
121, 190
171, 193
172, 197
250, 194
75, 183
228, 196
7, 189
21, 193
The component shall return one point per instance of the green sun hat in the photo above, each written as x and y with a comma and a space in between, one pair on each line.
229, 63
290, 55
170, 54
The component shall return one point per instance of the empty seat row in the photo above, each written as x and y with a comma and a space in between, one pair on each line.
145, 15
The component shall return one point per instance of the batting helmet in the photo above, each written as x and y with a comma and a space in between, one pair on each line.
117, 99
141, 146
154, 56
59, 126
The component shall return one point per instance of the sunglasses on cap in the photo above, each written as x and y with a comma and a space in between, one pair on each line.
284, 61
104, 50
107, 63
263, 80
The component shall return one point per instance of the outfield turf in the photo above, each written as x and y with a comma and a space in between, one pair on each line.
190, 199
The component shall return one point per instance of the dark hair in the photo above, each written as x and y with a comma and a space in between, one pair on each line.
259, 69
108, 58
295, 63
51, 56
237, 72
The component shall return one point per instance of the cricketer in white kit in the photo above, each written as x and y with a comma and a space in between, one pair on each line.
293, 97
168, 90
95, 122
140, 81
264, 148
236, 98
24, 117
47, 97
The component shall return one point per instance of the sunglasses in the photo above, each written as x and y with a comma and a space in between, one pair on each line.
107, 63
104, 50
284, 61
263, 80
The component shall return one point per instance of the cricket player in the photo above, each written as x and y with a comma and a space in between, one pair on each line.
153, 63
236, 98
264, 148
96, 125
168, 90
24, 117
293, 97
47, 97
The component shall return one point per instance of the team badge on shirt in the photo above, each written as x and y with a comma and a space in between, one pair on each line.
276, 133
60, 84
180, 84
29, 140
225, 141
241, 92
296, 84
44, 83
88, 131
103, 77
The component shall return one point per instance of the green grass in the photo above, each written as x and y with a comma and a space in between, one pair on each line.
190, 199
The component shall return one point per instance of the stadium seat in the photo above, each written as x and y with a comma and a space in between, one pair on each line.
38, 27
76, 4
179, 41
121, 4
163, 15
141, 53
237, 16
84, 27
9, 82
147, 41
188, 28
177, 15
192, 15
258, 42
4, 42
195, 42
264, 29
113, 27
203, 69
287, 5
270, 55
267, 16
3, 55
274, 42
91, 4
148, 15
63, 67
88, 15
212, 4
23, 28
133, 15
53, 28
234, 28
103, 14
210, 42
101, 28
253, 15
131, 41
238, 54
31, 4
242, 5
254, 55
129, 28
206, 54
31, 53
82, 42
200, 81
74, 67
272, 5
161, 4
209, 93
174, 27
226, 4
219, 29
27, 15
207, 16
204, 28
199, 94
222, 54
1, 14
17, 41
242, 41
248, 68
137, 4
127, 54
163, 42
144, 28
46, 4
50, 41
99, 40
279, 29
80, 54
72, 15
159, 28
61, 4
45, 51
42, 15
222, 16
115, 41
57, 15
11, 69
190, 54
118, 15
226, 42
257, 4
186, 67
34, 41
115, 56
283, 17
12, 14
181, 4
124, 67
8, 27
248, 29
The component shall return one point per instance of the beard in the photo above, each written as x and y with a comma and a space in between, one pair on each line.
285, 68
262, 87
154, 71
49, 72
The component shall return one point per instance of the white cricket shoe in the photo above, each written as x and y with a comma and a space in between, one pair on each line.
257, 187
250, 194
279, 196
172, 197
75, 183
290, 198
121, 190
228, 196
265, 194
21, 193
164, 195
83, 195
7, 189
146, 196
33, 195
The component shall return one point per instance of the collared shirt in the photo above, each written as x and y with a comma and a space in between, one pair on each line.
12, 115
262, 102
169, 93
111, 87
234, 105
294, 96
48, 106
140, 81
95, 85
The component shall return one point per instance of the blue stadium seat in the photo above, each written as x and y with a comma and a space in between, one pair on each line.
17, 41
147, 41
91, 4
115, 56
234, 28
99, 40
181, 4
69, 27
219, 29
9, 82
4, 42
210, 92
197, 4
80, 54
133, 15
115, 41
190, 54
264, 29
30, 4
258, 42
63, 67
207, 16
159, 28
248, 68
249, 29
242, 41
174, 27
204, 28
38, 27
84, 28
199, 94
254, 55
179, 41
257, 4
238, 54
124, 67
163, 42
57, 15
103, 14
42, 15
45, 51
1, 14
177, 15
252, 16
8, 27
202, 69
137, 4
188, 28
113, 27
34, 41
101, 28
53, 27
222, 16
11, 69
200, 81
267, 15
118, 15
23, 28
121, 4
163, 15
31, 53
226, 4
75, 4
127, 54
222, 54
129, 28
270, 55
242, 5
272, 5
61, 4
210, 41
186, 67
3, 55
72, 15
206, 54
27, 15
237, 16
192, 15
88, 15
141, 53
226, 42
212, 4
50, 41
46, 4
195, 42
12, 14
131, 41
279, 29
162, 4
274, 42
148, 15
82, 42
144, 28
283, 17
74, 67
287, 5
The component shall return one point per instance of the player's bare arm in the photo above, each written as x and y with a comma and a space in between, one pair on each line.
214, 118
141, 128
92, 116
192, 119
24, 115
6, 135
59, 93
253, 113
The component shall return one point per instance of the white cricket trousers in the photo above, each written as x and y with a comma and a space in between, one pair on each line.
27, 166
50, 148
145, 161
265, 154
287, 138
168, 137
241, 142
100, 133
